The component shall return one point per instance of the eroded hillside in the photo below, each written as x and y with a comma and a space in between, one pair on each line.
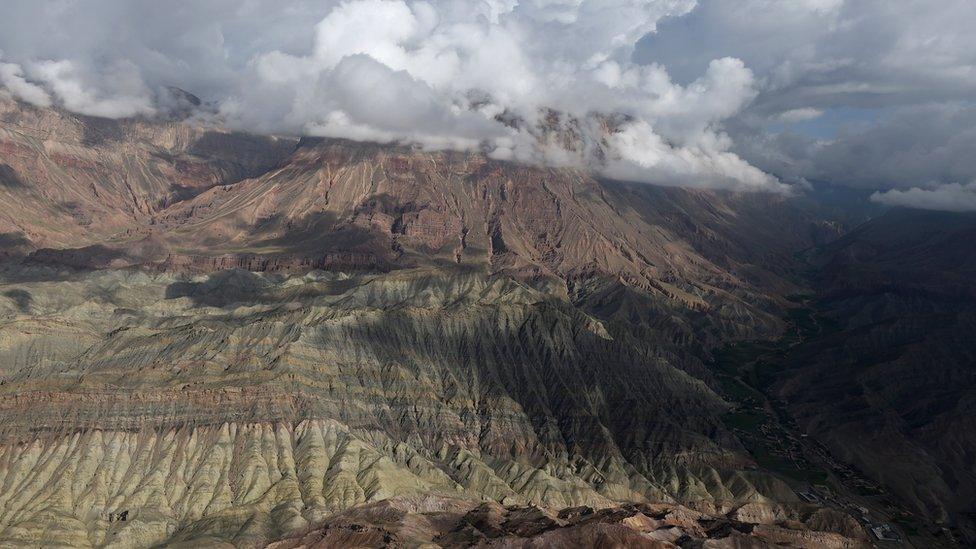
251, 405
240, 339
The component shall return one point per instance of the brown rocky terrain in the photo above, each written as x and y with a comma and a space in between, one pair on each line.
242, 340
68, 181
403, 522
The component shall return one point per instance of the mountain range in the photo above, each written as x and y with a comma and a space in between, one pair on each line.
215, 338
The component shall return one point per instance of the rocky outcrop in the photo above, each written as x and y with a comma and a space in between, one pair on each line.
405, 522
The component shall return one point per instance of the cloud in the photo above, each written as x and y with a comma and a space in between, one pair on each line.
900, 148
706, 93
12, 78
828, 54
639, 153
950, 197
799, 115
873, 93
120, 92
442, 74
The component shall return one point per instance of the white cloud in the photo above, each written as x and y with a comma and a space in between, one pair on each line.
639, 153
12, 78
125, 94
696, 82
803, 114
950, 197
439, 74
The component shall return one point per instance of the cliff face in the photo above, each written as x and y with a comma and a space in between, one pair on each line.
237, 352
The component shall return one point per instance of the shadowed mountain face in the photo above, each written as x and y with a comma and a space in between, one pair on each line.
890, 384
233, 339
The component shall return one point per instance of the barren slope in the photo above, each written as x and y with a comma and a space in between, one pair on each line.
68, 181
299, 396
